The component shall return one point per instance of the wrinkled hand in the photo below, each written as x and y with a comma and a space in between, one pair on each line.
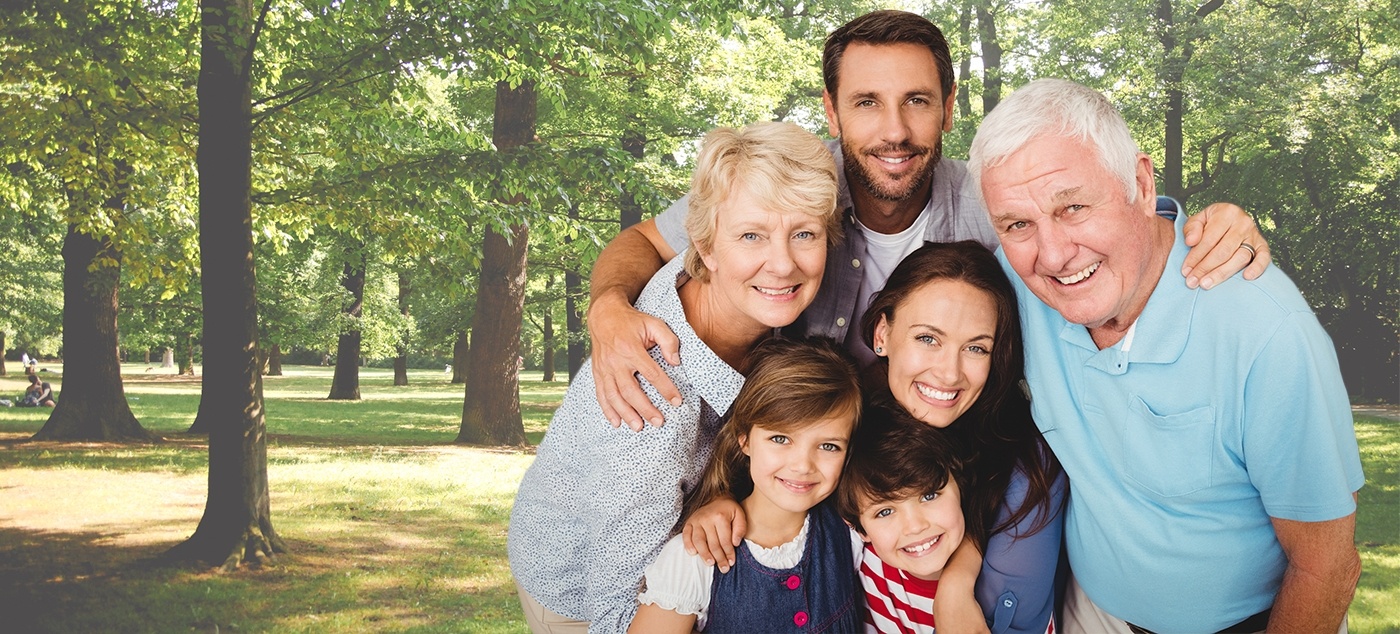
621, 336
1215, 235
714, 530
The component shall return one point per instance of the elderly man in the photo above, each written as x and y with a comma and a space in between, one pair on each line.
1207, 436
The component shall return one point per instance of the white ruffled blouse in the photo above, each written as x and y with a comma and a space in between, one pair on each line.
681, 582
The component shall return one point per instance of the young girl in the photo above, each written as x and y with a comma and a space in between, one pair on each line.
781, 454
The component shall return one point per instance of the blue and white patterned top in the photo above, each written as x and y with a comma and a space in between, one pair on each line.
598, 503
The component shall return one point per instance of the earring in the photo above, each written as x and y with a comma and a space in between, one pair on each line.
879, 350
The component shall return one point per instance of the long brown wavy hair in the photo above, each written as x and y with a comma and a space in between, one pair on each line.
997, 433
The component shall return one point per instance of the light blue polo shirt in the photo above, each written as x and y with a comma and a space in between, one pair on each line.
1227, 409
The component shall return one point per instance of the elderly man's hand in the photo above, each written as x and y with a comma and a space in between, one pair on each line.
1224, 240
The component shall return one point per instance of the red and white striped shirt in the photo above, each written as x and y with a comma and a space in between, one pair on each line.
897, 602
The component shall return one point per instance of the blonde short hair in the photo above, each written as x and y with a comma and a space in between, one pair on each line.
780, 165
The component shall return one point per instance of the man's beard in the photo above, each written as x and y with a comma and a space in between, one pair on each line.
857, 174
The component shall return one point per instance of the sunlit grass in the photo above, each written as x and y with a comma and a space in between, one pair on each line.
426, 412
392, 528
1376, 607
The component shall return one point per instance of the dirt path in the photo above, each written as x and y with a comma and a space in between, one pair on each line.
1384, 411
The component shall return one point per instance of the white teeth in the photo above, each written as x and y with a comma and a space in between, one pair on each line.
1080, 276
936, 394
893, 160
918, 548
796, 485
777, 291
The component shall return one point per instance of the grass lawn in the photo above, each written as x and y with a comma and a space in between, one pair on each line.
392, 528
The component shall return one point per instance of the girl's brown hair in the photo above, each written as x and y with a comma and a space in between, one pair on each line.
792, 382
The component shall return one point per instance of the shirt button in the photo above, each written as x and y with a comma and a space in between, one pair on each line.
799, 619
840, 321
1007, 603
793, 582
855, 263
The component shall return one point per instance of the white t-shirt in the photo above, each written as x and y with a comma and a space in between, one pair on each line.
681, 582
883, 252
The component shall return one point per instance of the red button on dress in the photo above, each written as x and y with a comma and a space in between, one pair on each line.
792, 583
799, 619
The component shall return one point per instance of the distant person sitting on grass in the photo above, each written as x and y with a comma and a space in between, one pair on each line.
38, 393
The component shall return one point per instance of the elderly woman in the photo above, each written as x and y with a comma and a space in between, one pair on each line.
599, 502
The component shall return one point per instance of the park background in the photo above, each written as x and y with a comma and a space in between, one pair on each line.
202, 204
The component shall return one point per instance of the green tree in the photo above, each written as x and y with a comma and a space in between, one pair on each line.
92, 117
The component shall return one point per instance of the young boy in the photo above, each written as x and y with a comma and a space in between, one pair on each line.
900, 493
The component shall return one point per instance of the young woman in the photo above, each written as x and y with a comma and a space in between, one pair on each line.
948, 337
781, 454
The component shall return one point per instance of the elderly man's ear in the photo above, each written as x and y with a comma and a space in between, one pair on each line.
1146, 183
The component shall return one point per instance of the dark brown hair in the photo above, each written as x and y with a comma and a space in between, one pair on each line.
888, 27
895, 456
997, 431
792, 382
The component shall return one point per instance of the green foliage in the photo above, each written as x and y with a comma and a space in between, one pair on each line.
92, 113
373, 119
31, 315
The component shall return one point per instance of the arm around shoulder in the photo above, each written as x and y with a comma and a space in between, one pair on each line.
621, 335
1021, 561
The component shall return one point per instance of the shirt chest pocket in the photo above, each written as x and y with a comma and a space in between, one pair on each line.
1172, 454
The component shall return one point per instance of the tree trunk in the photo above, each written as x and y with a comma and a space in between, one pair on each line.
346, 384
991, 56
630, 211
573, 311
491, 409
2, 353
237, 522
460, 351
965, 67
548, 356
274, 360
1176, 57
186, 357
167, 360
93, 405
401, 361
634, 142
148, 356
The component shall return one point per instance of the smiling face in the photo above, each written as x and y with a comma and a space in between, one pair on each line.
939, 345
765, 265
890, 115
916, 533
795, 470
1070, 233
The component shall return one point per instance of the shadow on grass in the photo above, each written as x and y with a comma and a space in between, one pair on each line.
420, 571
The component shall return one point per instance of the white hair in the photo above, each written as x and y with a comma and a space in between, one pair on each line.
1055, 107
